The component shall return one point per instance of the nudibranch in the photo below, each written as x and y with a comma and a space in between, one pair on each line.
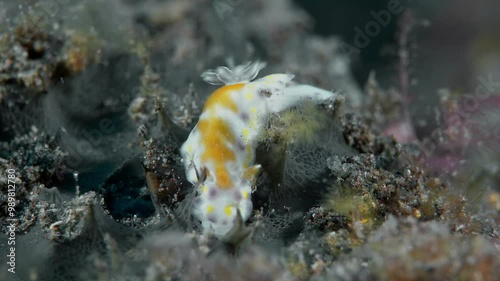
219, 153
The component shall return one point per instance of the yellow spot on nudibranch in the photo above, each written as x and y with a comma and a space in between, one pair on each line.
245, 133
228, 210
245, 194
252, 123
204, 188
249, 154
249, 96
253, 109
190, 149
210, 209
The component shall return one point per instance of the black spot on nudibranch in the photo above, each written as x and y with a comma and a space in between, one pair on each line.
266, 93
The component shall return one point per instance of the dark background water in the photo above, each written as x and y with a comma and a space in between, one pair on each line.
460, 44
341, 17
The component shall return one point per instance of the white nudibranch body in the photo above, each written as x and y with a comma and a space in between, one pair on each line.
219, 153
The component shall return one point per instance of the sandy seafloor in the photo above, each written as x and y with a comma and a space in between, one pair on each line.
395, 178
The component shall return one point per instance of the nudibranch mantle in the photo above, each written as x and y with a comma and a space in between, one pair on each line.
219, 153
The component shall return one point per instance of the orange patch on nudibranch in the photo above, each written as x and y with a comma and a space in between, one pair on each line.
223, 178
222, 97
216, 134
